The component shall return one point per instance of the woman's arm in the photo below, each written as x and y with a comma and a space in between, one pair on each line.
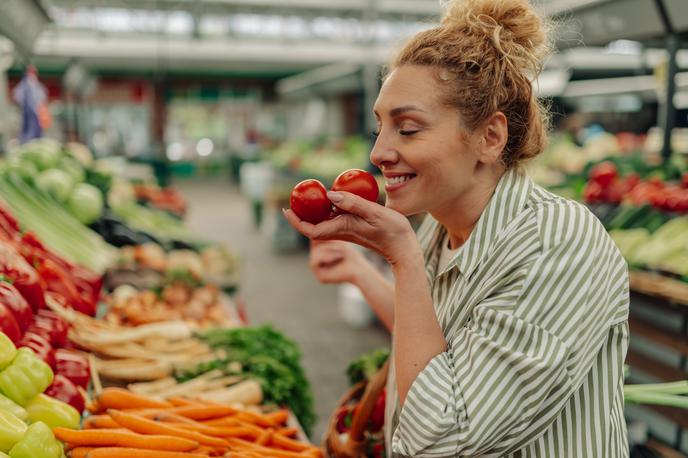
418, 336
337, 262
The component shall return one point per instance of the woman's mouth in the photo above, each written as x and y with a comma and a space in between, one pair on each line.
398, 181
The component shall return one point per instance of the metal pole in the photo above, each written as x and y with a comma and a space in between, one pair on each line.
668, 116
370, 68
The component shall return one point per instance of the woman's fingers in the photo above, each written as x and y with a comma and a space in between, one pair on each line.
356, 205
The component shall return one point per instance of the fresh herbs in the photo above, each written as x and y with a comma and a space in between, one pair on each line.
269, 357
365, 367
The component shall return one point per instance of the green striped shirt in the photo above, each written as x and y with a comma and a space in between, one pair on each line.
534, 309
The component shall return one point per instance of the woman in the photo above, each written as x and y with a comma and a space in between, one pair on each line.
509, 309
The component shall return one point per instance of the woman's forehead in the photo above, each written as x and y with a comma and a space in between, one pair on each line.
409, 85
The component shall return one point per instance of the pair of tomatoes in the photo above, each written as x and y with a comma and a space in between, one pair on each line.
309, 198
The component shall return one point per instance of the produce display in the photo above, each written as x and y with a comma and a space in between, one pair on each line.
309, 198
326, 161
101, 283
128, 424
27, 415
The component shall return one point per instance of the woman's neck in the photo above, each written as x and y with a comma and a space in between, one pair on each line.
463, 214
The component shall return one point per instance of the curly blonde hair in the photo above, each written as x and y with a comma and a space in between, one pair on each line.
488, 52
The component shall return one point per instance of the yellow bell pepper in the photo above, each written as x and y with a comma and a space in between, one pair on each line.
53, 412
12, 430
7, 351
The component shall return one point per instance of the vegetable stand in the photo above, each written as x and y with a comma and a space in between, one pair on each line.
122, 294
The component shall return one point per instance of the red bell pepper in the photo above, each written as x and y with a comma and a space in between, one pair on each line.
59, 327
8, 324
377, 416
74, 366
58, 281
24, 277
64, 390
40, 345
87, 281
8, 225
603, 173
12, 299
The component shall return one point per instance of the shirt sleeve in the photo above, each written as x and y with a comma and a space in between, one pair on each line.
508, 374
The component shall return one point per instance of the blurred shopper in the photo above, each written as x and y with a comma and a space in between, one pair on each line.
32, 97
509, 307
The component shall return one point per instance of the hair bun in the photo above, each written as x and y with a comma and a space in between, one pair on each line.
514, 27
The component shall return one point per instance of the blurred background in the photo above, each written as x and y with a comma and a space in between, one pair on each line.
231, 102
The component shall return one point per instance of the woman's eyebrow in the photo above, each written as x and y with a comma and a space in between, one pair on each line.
403, 109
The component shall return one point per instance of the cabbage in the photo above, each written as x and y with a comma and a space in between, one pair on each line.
73, 168
45, 154
25, 169
85, 203
55, 182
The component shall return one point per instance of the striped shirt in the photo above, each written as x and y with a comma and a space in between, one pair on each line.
534, 309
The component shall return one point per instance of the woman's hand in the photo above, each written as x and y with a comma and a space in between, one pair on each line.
336, 262
365, 223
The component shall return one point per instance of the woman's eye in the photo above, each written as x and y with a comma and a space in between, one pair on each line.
408, 132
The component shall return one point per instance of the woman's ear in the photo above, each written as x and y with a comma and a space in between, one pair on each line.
494, 133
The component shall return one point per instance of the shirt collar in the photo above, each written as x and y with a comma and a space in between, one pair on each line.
509, 198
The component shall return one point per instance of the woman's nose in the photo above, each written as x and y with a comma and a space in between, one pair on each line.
383, 153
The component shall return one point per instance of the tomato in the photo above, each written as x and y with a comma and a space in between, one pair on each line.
357, 182
8, 324
592, 193
603, 173
309, 201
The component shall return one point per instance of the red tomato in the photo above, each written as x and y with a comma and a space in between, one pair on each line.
603, 173
357, 182
8, 324
309, 201
13, 300
592, 193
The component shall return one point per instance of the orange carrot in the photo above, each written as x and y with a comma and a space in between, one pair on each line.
99, 422
237, 431
224, 421
122, 452
203, 412
255, 418
288, 432
289, 444
120, 398
111, 437
168, 417
264, 437
145, 426
278, 418
265, 451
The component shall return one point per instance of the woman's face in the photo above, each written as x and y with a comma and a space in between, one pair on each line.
425, 154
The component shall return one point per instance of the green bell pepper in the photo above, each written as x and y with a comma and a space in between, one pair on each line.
12, 430
53, 412
38, 442
7, 351
25, 378
13, 408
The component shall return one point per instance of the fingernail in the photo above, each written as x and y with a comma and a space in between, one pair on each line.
284, 211
334, 196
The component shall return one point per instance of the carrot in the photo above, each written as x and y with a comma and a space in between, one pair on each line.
203, 412
264, 451
289, 444
99, 422
224, 421
278, 418
120, 398
145, 426
256, 419
288, 432
168, 417
264, 437
217, 431
125, 452
79, 452
111, 437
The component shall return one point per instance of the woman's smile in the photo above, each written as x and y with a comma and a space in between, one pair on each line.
396, 181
